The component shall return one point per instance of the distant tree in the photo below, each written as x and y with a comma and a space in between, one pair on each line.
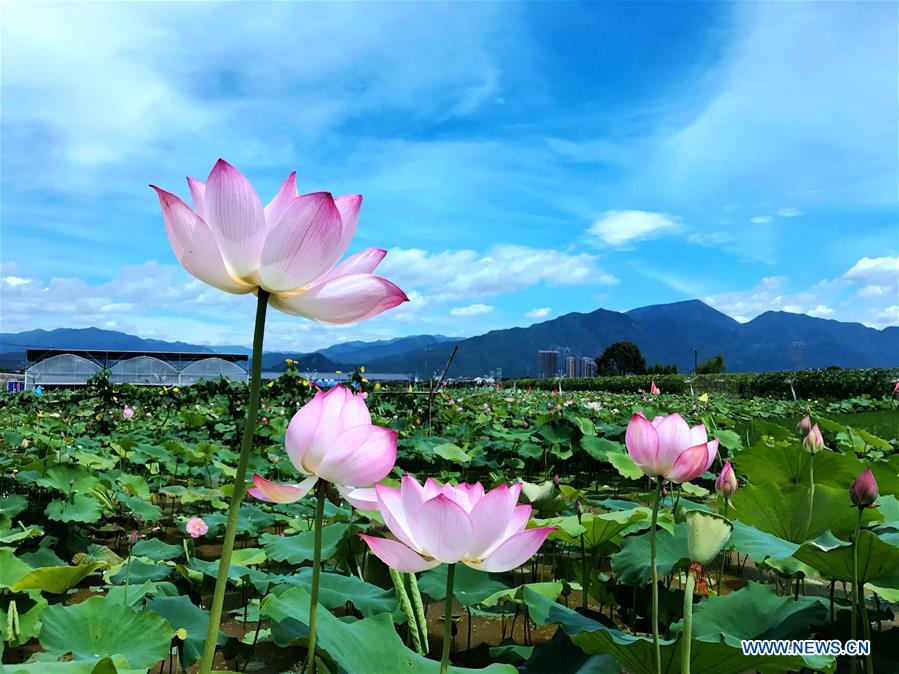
662, 369
712, 366
621, 358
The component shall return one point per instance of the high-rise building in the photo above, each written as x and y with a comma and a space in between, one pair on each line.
547, 363
571, 367
588, 367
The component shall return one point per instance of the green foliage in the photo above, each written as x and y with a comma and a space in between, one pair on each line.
621, 358
714, 365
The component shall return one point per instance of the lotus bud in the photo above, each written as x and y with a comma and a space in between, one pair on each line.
127, 412
707, 534
814, 441
804, 425
726, 485
557, 480
132, 537
863, 491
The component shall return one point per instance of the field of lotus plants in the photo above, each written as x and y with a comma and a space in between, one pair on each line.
280, 528
114, 508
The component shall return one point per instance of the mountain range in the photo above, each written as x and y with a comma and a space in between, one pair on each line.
665, 333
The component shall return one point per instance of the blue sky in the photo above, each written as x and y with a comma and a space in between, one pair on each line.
519, 161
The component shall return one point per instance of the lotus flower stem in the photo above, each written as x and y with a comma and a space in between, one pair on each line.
655, 576
406, 604
866, 627
855, 597
811, 493
447, 618
321, 493
221, 581
420, 613
687, 634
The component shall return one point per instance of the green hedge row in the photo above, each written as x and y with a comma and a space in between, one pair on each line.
830, 383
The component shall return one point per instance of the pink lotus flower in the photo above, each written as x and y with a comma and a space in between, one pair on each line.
444, 524
654, 390
804, 425
127, 412
196, 527
668, 448
863, 491
332, 438
289, 248
726, 485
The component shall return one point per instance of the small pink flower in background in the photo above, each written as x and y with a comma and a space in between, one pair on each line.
289, 248
264, 420
196, 527
437, 524
654, 390
332, 438
127, 412
458, 409
668, 448
726, 485
804, 425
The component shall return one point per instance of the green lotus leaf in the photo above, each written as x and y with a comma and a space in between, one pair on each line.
157, 550
98, 628
55, 579
470, 586
359, 647
335, 590
27, 608
79, 508
876, 559
297, 549
631, 564
181, 613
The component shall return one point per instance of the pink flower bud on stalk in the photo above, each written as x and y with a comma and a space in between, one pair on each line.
196, 527
863, 491
804, 425
654, 390
132, 537
127, 412
814, 441
726, 485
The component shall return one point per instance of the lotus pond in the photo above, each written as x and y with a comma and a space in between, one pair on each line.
98, 572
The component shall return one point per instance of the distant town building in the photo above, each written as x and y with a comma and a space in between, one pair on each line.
547, 363
588, 367
571, 367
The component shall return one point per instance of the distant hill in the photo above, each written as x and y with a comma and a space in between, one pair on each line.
362, 352
666, 333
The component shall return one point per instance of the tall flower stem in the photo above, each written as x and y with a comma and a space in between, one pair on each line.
655, 576
237, 494
447, 618
811, 493
855, 593
687, 634
321, 491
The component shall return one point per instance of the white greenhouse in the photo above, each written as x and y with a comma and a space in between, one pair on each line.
71, 367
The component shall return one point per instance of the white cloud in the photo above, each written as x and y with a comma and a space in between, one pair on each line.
472, 310
879, 277
541, 312
462, 274
789, 212
618, 228
865, 293
15, 281
761, 219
